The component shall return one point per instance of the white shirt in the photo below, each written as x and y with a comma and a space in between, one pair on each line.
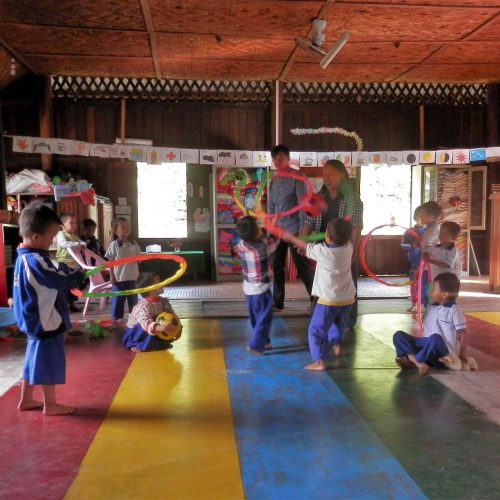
118, 250
430, 237
333, 283
444, 320
449, 255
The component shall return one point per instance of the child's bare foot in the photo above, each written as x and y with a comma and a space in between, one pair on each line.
336, 350
404, 363
31, 404
411, 309
254, 352
134, 349
423, 368
446, 360
57, 409
317, 366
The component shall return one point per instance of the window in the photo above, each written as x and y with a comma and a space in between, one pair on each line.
162, 208
386, 191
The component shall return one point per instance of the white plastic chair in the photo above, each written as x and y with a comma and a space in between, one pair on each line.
89, 260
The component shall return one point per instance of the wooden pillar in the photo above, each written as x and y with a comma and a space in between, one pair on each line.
421, 127
90, 137
493, 110
46, 121
3, 171
277, 114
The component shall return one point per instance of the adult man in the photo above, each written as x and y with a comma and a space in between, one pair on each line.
337, 206
286, 193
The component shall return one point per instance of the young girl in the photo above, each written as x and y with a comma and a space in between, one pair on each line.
142, 330
123, 277
411, 244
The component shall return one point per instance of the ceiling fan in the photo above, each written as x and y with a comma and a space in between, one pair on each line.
315, 45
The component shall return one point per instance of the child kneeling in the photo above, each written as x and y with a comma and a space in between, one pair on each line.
334, 287
444, 334
142, 328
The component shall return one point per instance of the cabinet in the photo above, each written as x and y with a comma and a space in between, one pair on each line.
495, 242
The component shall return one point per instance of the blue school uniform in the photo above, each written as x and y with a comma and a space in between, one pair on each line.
41, 310
141, 322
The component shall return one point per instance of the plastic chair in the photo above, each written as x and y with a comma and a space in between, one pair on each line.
89, 260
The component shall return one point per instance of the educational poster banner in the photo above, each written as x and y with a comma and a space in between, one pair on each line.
208, 157
345, 157
394, 158
308, 159
119, 151
243, 158
21, 144
427, 157
190, 156
460, 156
444, 157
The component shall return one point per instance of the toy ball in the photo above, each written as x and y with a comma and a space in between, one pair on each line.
166, 318
56, 180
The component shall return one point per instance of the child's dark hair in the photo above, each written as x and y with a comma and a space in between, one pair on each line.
452, 227
65, 217
338, 166
147, 279
339, 231
417, 212
36, 218
448, 282
431, 208
247, 228
280, 148
89, 223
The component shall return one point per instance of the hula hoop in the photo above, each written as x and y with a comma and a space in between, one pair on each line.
420, 276
127, 260
362, 259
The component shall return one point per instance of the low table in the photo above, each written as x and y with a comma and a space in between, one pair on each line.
195, 260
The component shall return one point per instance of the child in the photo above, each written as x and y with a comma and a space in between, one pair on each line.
444, 257
412, 246
444, 332
88, 236
429, 215
41, 309
123, 277
65, 238
141, 333
254, 250
334, 287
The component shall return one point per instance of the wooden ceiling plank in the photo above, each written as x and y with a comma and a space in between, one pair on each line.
293, 54
482, 26
146, 11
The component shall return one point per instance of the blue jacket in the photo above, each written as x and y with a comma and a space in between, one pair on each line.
40, 294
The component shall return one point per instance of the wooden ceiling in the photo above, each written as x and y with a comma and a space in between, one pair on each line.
391, 40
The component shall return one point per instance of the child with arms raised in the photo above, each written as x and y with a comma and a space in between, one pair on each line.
142, 329
123, 277
41, 309
334, 287
444, 331
254, 250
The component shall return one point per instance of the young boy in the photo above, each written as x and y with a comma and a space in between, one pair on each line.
65, 238
89, 227
444, 257
40, 308
444, 330
334, 287
429, 215
411, 244
254, 250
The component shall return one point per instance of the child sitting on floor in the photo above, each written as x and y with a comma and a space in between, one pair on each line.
444, 256
142, 328
254, 250
334, 287
411, 244
41, 308
444, 333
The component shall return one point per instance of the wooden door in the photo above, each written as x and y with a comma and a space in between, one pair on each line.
104, 218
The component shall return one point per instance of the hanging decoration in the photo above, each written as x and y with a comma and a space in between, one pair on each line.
330, 130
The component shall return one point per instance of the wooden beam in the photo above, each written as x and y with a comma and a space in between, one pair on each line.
16, 55
146, 12
293, 55
46, 121
421, 127
277, 114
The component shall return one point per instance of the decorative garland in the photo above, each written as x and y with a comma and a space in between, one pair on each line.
329, 130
